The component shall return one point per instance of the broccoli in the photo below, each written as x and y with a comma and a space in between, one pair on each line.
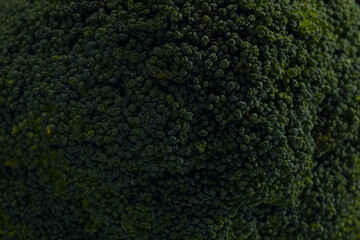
186, 119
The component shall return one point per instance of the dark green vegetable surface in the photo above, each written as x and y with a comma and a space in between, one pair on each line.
174, 119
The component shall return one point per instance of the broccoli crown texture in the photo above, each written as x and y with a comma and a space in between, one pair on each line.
179, 119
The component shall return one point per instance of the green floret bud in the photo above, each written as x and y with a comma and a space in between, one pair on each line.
224, 63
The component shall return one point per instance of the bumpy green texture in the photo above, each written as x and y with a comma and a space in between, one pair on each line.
174, 119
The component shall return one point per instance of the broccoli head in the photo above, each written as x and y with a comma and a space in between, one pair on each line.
180, 119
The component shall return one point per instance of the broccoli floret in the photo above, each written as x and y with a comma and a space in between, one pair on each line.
188, 120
